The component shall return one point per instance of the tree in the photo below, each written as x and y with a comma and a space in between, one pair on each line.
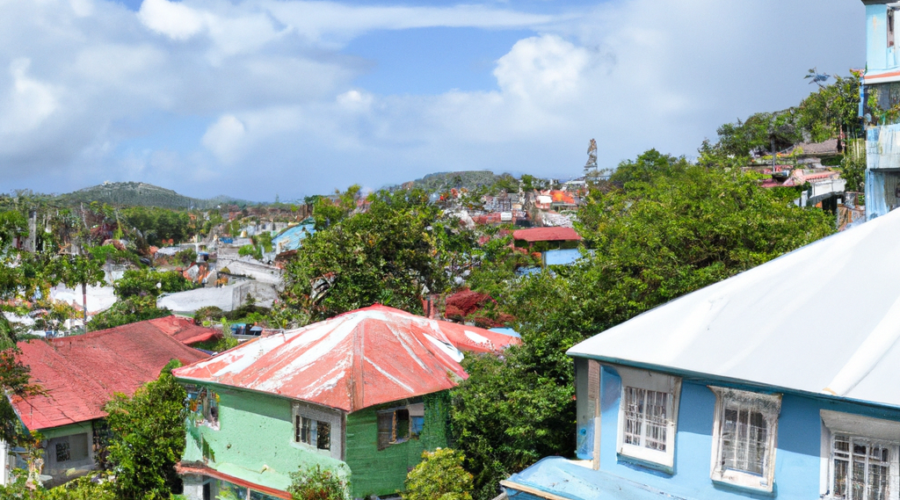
659, 237
439, 476
74, 270
389, 254
148, 438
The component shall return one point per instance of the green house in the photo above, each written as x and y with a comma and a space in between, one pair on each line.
361, 395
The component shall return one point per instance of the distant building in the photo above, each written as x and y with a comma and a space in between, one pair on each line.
882, 76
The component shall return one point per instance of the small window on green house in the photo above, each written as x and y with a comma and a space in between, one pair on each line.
312, 432
400, 424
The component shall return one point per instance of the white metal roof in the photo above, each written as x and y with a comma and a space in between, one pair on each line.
822, 319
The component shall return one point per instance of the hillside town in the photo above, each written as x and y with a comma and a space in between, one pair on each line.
690, 328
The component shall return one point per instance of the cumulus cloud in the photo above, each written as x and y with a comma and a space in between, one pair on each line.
268, 89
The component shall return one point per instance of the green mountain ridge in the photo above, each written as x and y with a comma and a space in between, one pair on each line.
143, 194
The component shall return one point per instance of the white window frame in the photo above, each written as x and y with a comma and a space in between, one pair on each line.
864, 428
769, 405
651, 381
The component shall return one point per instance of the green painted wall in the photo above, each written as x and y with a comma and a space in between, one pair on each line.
254, 440
383, 472
67, 430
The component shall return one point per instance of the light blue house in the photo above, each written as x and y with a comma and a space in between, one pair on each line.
781, 382
883, 78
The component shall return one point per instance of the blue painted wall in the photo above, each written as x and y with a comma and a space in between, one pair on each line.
797, 462
876, 39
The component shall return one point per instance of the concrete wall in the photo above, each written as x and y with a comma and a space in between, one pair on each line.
255, 439
66, 471
799, 441
383, 472
878, 57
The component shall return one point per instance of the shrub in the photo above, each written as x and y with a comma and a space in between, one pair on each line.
314, 483
440, 476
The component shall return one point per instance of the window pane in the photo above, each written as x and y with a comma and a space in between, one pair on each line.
306, 430
744, 439
385, 427
323, 435
402, 431
861, 468
634, 409
78, 446
62, 451
415, 425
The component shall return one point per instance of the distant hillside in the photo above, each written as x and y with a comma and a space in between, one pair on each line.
142, 194
440, 181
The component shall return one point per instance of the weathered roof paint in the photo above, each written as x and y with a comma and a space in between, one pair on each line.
184, 330
822, 319
81, 373
546, 234
358, 359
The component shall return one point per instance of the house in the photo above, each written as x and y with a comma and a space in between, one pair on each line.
365, 391
826, 186
882, 77
79, 375
775, 383
559, 237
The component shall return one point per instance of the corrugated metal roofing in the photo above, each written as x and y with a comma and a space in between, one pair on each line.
353, 361
822, 319
81, 373
184, 330
546, 234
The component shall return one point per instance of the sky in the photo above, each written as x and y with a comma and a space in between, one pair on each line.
258, 98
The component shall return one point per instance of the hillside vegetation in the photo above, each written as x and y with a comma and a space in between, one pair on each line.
141, 194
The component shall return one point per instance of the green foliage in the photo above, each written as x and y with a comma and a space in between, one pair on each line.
126, 311
327, 211
158, 224
12, 225
648, 165
756, 133
109, 253
250, 250
147, 439
187, 256
90, 487
389, 254
208, 313
832, 109
143, 282
674, 232
439, 476
315, 483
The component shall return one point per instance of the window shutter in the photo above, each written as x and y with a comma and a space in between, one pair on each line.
385, 429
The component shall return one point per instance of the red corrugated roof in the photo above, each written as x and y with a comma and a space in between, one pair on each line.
546, 234
353, 361
81, 373
184, 329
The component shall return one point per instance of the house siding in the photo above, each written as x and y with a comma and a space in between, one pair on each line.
255, 440
798, 460
383, 472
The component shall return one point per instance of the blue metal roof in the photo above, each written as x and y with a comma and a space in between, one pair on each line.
292, 237
567, 479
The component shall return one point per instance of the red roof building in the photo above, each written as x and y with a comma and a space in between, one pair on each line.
184, 330
536, 234
80, 374
353, 361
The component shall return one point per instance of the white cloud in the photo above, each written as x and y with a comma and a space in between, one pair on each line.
29, 101
224, 138
175, 20
269, 92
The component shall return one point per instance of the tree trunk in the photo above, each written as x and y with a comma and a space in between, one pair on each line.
84, 303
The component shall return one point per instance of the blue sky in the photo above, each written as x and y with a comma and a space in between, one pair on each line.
254, 98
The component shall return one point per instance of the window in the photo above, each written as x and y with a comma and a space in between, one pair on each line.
70, 448
860, 457
203, 406
312, 432
890, 27
744, 436
400, 424
648, 414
